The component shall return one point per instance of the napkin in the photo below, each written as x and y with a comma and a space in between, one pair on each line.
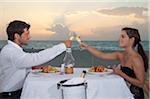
74, 81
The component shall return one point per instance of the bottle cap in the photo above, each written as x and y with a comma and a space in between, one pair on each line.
83, 74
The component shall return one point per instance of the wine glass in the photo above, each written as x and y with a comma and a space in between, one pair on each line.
73, 35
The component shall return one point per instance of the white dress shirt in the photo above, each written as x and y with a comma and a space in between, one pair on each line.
14, 63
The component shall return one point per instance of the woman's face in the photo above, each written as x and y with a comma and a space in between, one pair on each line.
124, 39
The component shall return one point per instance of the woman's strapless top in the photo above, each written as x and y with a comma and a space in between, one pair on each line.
128, 71
136, 91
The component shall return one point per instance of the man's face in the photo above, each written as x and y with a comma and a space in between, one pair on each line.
25, 37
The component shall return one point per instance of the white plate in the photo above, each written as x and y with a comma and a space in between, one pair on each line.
109, 71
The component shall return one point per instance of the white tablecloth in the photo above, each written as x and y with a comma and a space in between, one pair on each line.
44, 86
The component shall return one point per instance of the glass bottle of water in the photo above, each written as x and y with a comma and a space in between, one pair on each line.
69, 61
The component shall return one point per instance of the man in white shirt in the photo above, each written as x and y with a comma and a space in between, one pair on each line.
14, 61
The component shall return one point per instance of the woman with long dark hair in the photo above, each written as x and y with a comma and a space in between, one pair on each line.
133, 60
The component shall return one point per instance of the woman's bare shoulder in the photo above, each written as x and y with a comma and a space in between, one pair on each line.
137, 59
136, 56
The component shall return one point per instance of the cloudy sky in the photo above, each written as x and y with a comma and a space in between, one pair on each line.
91, 19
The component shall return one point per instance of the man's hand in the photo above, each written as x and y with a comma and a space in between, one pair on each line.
68, 43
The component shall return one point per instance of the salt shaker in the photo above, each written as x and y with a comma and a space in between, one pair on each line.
62, 68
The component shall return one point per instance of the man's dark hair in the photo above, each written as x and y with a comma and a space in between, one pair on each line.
16, 26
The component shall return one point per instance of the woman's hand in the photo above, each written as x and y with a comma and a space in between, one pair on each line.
83, 45
117, 70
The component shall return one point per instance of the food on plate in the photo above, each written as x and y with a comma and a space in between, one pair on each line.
45, 69
98, 69
49, 69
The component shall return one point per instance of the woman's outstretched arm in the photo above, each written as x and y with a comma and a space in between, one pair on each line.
101, 54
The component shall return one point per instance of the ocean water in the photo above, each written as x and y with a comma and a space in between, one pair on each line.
101, 45
82, 57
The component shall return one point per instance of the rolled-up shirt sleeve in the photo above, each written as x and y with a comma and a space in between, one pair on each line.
25, 60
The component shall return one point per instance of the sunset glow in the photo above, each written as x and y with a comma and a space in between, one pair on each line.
93, 20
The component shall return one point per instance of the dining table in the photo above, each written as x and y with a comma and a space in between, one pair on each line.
40, 85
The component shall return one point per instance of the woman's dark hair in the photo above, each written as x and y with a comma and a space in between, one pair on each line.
131, 32
16, 26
